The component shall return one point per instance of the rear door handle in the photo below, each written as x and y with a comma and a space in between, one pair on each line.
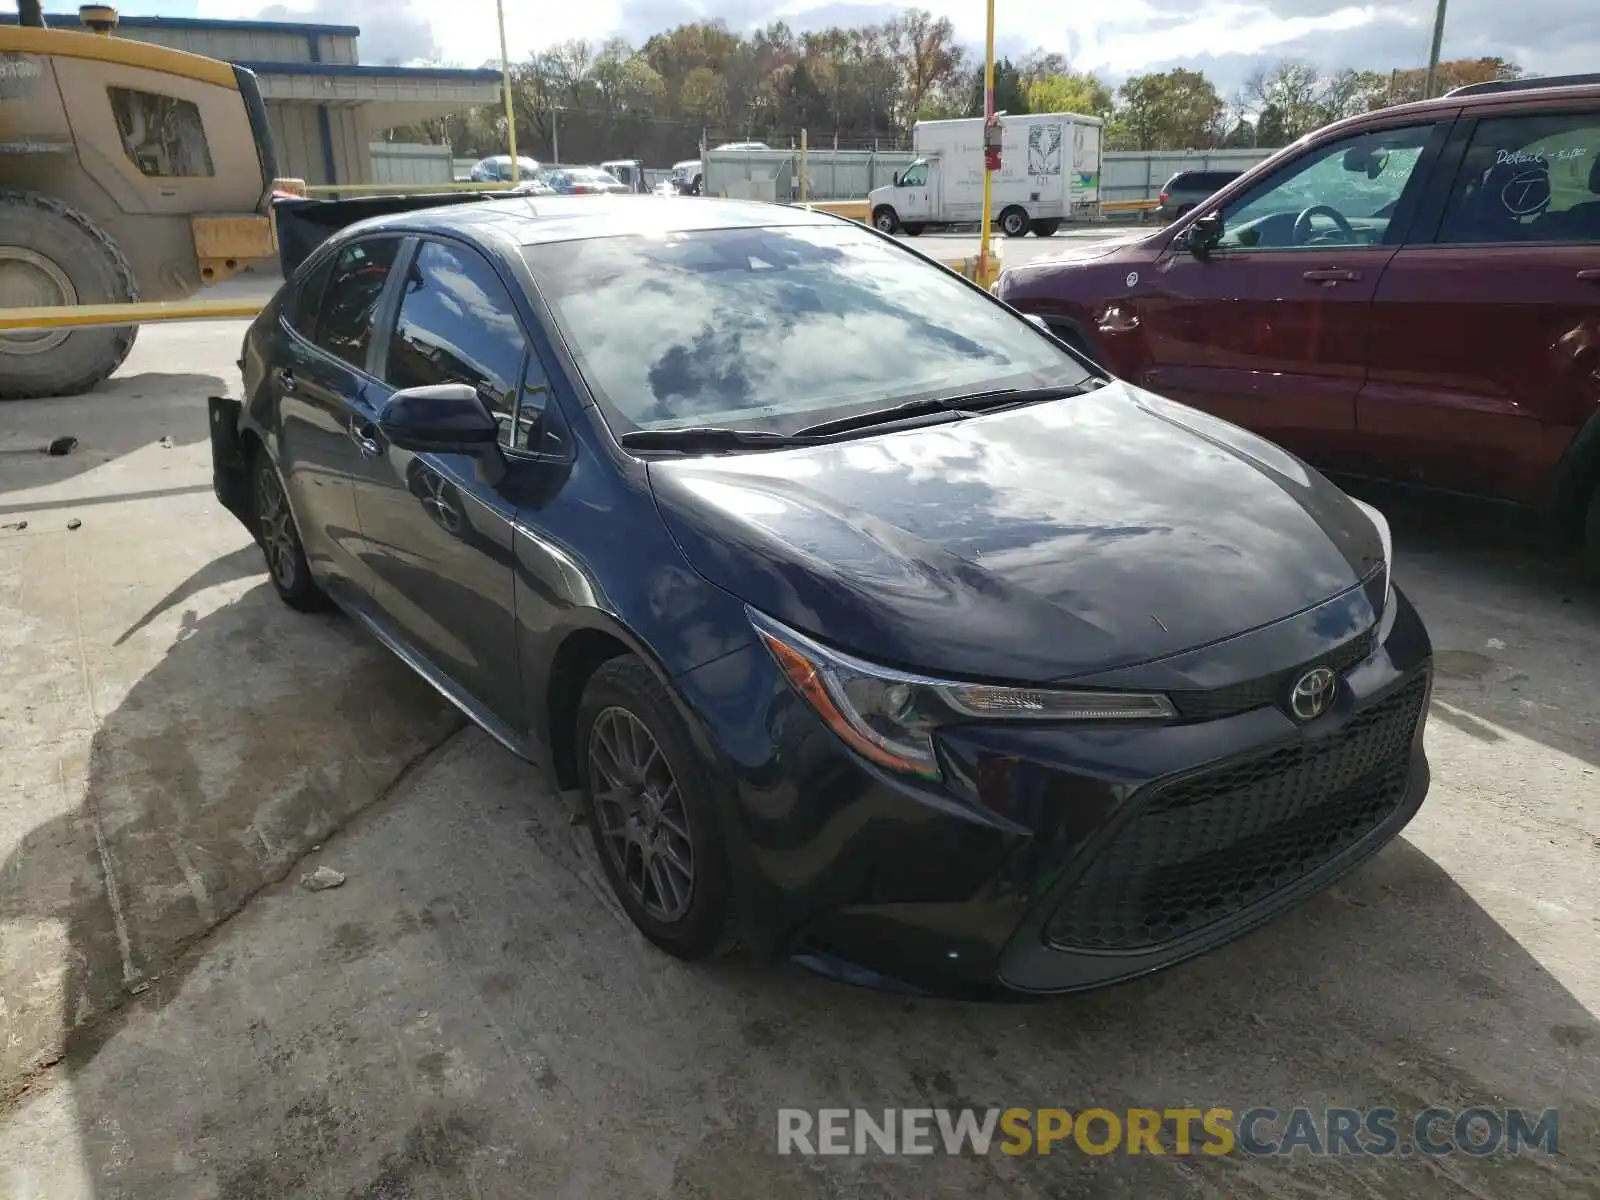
361, 433
1589, 275
1332, 275
286, 379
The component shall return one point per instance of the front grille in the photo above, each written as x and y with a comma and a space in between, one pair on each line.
1269, 689
1209, 846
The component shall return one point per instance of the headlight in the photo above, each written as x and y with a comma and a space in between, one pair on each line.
1386, 538
889, 716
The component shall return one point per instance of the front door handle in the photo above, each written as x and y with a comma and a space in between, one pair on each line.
286, 379
1589, 275
1331, 276
362, 434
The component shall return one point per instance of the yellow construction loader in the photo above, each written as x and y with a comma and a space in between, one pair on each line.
128, 171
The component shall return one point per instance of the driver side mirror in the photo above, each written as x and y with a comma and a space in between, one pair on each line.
898, 176
1204, 235
444, 418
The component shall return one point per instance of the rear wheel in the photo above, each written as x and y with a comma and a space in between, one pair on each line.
1591, 536
651, 812
1014, 223
1045, 228
51, 255
279, 537
884, 219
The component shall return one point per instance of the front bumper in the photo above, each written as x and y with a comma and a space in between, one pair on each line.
1058, 858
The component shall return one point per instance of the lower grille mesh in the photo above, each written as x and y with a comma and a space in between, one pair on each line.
1200, 850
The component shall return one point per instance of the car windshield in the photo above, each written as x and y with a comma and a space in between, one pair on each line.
778, 328
599, 177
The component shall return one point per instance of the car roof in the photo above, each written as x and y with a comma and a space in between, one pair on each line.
535, 220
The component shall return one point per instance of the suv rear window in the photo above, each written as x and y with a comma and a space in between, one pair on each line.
1198, 181
1533, 178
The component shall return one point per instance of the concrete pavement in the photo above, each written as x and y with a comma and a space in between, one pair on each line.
470, 1015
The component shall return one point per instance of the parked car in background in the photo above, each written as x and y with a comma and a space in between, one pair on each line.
873, 624
629, 172
497, 169
1189, 188
687, 177
585, 181
1412, 294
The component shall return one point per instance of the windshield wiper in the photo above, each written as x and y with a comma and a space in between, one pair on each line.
711, 437
971, 402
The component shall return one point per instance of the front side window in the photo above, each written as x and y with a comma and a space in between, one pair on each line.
1341, 194
1533, 178
777, 328
350, 301
916, 175
162, 135
457, 325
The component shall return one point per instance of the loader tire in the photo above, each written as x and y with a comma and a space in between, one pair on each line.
53, 254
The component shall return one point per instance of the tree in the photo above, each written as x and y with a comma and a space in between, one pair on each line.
1169, 110
703, 96
1008, 89
1068, 92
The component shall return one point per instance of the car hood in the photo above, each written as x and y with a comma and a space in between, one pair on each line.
1084, 251
1039, 543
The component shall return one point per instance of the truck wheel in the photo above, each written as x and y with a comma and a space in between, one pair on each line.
1014, 223
884, 219
1045, 228
50, 255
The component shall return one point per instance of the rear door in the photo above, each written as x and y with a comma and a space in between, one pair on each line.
320, 385
1485, 338
439, 527
1270, 329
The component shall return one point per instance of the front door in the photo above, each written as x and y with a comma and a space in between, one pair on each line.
1483, 364
911, 194
437, 528
1270, 328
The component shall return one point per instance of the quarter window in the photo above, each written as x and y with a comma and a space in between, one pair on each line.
161, 135
1531, 178
301, 310
457, 325
344, 325
1342, 194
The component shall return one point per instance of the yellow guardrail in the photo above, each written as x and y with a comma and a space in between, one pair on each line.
1112, 207
854, 210
101, 316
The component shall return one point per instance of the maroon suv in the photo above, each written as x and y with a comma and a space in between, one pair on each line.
1411, 294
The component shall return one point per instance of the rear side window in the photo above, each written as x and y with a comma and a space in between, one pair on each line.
457, 325
350, 301
1533, 178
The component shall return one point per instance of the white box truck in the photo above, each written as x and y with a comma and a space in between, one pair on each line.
1049, 173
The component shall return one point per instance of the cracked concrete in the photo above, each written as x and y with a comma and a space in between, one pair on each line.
469, 1015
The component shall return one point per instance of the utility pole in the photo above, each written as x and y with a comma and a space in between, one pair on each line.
1433, 55
505, 85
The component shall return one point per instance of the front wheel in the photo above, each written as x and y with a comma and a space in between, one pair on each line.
651, 812
913, 229
884, 220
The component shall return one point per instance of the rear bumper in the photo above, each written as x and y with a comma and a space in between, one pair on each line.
230, 463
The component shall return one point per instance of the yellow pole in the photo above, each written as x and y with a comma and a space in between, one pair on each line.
988, 115
505, 86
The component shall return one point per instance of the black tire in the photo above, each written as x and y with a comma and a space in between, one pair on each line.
697, 185
704, 925
1183, 211
57, 255
1014, 223
279, 538
914, 230
885, 220
1591, 536
1045, 228
1072, 338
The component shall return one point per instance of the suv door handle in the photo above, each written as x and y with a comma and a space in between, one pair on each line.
361, 434
1589, 275
285, 378
1332, 275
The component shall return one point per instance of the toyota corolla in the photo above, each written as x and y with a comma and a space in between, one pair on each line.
876, 626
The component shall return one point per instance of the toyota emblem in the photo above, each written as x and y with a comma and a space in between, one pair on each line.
1312, 693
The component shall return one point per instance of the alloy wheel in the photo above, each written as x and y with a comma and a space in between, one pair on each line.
644, 824
278, 537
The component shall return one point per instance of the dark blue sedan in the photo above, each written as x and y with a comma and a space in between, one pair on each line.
876, 627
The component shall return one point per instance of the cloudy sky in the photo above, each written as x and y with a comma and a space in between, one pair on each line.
1223, 37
